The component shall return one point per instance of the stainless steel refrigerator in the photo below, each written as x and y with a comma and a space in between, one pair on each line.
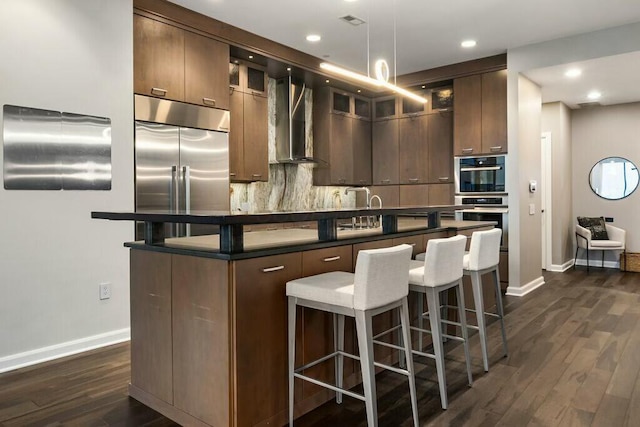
181, 168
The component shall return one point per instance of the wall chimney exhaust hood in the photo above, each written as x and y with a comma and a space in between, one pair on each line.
290, 121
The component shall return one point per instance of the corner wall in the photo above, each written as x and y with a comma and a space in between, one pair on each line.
74, 56
556, 119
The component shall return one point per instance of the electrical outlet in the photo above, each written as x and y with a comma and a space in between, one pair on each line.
105, 290
532, 208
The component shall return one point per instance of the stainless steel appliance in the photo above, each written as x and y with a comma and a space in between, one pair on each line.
475, 175
486, 208
178, 168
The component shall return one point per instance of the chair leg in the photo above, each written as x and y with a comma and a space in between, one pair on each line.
603, 259
476, 286
420, 308
500, 308
463, 326
292, 351
408, 358
436, 335
365, 345
575, 258
338, 333
587, 260
401, 357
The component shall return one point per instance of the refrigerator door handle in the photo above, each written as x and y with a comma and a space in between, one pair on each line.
186, 180
173, 197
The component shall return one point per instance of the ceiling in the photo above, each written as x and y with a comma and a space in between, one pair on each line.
428, 33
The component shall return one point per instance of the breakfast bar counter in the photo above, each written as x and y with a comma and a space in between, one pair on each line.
208, 318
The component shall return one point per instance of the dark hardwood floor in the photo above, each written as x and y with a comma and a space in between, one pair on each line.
574, 361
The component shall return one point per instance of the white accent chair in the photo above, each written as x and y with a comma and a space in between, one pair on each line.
616, 242
483, 258
379, 284
441, 270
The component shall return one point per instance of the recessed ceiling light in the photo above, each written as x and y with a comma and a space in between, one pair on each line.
250, 56
288, 68
326, 81
424, 86
313, 38
468, 43
594, 94
574, 72
236, 62
359, 91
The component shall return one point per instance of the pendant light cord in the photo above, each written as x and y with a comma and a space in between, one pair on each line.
395, 58
368, 45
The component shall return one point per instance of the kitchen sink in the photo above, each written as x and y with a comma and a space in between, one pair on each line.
360, 223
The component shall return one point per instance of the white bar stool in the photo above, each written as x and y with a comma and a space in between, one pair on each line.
379, 284
483, 258
440, 271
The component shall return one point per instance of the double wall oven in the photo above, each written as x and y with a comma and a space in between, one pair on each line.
480, 183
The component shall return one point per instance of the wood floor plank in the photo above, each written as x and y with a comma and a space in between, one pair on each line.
611, 412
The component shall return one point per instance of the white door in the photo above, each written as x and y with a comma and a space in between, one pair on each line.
545, 197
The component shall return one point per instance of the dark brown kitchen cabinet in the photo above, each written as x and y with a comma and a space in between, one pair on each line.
205, 75
414, 195
467, 115
441, 194
413, 149
385, 152
480, 114
248, 77
261, 338
248, 149
385, 108
175, 64
494, 112
341, 137
158, 59
440, 157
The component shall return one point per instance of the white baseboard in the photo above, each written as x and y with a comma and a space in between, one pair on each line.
523, 290
39, 355
598, 263
561, 268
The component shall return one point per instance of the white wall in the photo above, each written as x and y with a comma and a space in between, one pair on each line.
601, 132
596, 44
556, 119
74, 56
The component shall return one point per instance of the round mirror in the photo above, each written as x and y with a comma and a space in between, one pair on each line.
614, 178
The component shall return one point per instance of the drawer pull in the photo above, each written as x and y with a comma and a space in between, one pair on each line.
332, 258
271, 228
467, 150
232, 174
256, 175
443, 178
496, 148
386, 181
158, 91
271, 269
209, 101
413, 179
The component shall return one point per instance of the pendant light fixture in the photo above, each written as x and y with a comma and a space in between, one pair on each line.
381, 70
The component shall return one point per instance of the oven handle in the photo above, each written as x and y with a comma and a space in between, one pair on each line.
486, 210
482, 168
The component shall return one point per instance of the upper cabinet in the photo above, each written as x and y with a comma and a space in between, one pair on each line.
341, 138
175, 64
248, 136
480, 114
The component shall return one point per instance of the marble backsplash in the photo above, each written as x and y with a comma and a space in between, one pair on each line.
290, 186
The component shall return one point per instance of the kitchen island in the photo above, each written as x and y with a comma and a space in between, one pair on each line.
208, 315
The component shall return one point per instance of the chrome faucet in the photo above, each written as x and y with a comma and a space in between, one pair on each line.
365, 189
379, 218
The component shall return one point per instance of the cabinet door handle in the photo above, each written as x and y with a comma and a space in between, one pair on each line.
232, 174
496, 148
272, 269
467, 150
443, 178
209, 101
256, 175
386, 181
332, 258
158, 91
413, 179
271, 228
341, 181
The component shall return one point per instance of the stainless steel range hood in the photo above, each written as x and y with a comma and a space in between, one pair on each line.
290, 121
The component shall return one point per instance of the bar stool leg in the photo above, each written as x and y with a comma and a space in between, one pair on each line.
500, 307
401, 357
436, 335
476, 285
292, 351
338, 333
365, 345
463, 326
420, 308
406, 332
